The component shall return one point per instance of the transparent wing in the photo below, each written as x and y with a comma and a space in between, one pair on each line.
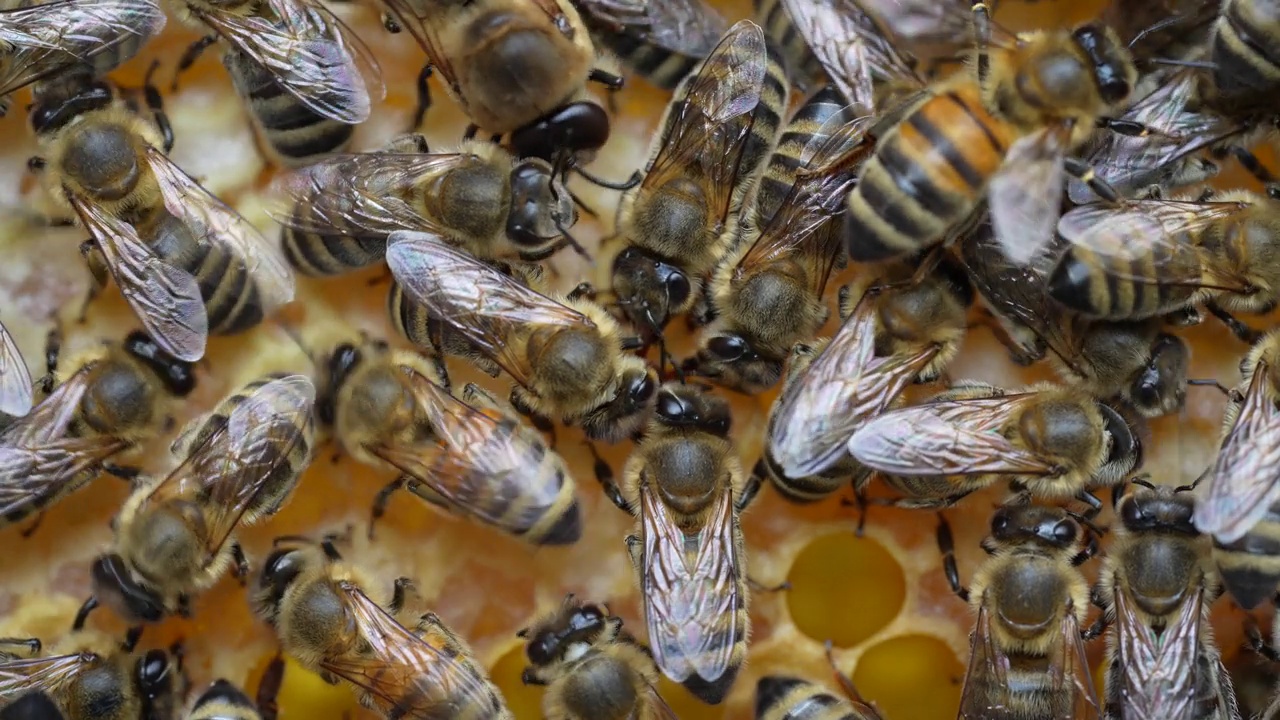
1025, 193
15, 379
49, 420
165, 298
688, 27
309, 52
233, 465
212, 222
986, 681
843, 388
932, 22
405, 675
1069, 669
363, 192
44, 673
690, 587
1160, 670
485, 306
48, 38
1244, 479
952, 437
30, 476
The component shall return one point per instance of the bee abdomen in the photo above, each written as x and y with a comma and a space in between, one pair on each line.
1242, 64
765, 123
1250, 566
1109, 286
294, 132
661, 67
735, 625
230, 297
317, 254
788, 698
798, 59
785, 162
926, 176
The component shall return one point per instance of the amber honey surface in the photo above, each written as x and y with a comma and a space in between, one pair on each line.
881, 599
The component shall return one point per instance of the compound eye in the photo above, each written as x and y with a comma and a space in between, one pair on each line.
1064, 532
541, 649
587, 617
1132, 515
642, 389
1001, 524
153, 673
727, 347
678, 288
671, 406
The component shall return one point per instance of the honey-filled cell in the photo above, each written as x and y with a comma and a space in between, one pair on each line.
524, 701
911, 677
844, 589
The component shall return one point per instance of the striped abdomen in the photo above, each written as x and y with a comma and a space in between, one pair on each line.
1127, 286
294, 133
231, 298
662, 67
324, 254
1245, 58
766, 120
785, 162
788, 698
1250, 566
802, 67
412, 320
927, 175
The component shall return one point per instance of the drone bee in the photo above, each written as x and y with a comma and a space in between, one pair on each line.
300, 70
681, 220
685, 487
1057, 442
325, 620
111, 400
186, 263
15, 379
768, 295
1027, 659
592, 668
1158, 585
342, 208
44, 40
890, 338
660, 41
91, 677
566, 357
174, 534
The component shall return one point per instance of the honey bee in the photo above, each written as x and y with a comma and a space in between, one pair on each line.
1002, 135
113, 398
660, 41
32, 706
1240, 507
566, 357
224, 701
186, 263
1158, 585
173, 537
302, 73
45, 40
1146, 258
1135, 361
681, 220
15, 379
342, 208
326, 622
768, 294
1027, 658
592, 668
684, 485
891, 336
1057, 442
779, 697
517, 68
802, 66
469, 455
89, 676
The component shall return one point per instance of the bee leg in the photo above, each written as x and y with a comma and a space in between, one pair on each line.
97, 265
844, 681
635, 548
131, 638
30, 530
381, 500
52, 353
947, 544
155, 104
470, 132
981, 38
1084, 172
1242, 331
1090, 549
124, 472
604, 475
239, 564
32, 645
390, 24
757, 586
635, 342
184, 605
399, 592
189, 57
35, 163
608, 79
1257, 643
269, 688
424, 97
1095, 505
541, 422
528, 677
1096, 629
751, 490
583, 290
1252, 165
82, 615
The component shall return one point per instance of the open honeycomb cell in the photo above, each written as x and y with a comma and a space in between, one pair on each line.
881, 599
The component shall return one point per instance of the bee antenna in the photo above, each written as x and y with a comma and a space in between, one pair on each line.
573, 243
1156, 27
627, 184
1198, 64
296, 337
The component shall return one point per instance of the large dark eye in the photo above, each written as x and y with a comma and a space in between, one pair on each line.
1000, 524
642, 389
1064, 532
677, 288
542, 649
153, 673
672, 407
281, 568
727, 347
587, 617
1132, 515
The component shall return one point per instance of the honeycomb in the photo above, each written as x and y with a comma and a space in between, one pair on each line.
881, 599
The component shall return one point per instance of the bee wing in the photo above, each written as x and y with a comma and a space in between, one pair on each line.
1159, 670
406, 675
21, 675
48, 38
705, 136
952, 437
31, 475
15, 379
165, 298
362, 192
485, 306
688, 27
986, 681
1070, 666
930, 22
49, 420
232, 466
1025, 193
853, 49
844, 387
213, 222
689, 591
657, 705
1243, 480
309, 52
472, 455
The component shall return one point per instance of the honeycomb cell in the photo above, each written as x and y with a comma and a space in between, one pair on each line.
911, 677
524, 701
304, 695
844, 589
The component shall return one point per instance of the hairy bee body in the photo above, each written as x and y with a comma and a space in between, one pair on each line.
802, 67
1246, 66
805, 129
788, 698
223, 701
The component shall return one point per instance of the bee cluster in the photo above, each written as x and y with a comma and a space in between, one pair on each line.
1049, 183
